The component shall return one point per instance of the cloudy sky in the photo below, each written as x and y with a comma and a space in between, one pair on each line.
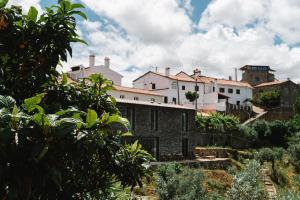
213, 35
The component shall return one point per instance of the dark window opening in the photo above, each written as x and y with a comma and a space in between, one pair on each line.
174, 100
230, 90
214, 89
183, 87
122, 96
222, 90
238, 91
166, 99
153, 86
196, 88
238, 103
75, 68
154, 120
257, 79
136, 98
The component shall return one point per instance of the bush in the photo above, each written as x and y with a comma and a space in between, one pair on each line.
279, 133
247, 185
289, 195
262, 129
177, 182
268, 99
248, 133
294, 150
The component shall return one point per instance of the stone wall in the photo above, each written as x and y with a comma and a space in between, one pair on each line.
169, 140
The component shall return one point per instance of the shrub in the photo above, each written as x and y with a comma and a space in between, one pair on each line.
177, 182
294, 150
289, 195
247, 185
268, 99
297, 105
270, 155
279, 133
262, 129
247, 133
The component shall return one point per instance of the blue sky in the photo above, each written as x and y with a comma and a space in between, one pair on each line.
213, 35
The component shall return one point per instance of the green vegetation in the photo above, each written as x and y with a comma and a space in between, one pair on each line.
268, 99
247, 184
191, 96
217, 123
57, 141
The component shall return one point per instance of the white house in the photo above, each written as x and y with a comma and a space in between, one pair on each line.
213, 92
127, 93
81, 71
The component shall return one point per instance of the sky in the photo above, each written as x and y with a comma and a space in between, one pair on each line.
215, 36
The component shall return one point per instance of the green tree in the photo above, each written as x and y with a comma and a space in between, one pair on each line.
57, 141
247, 184
297, 105
32, 46
177, 182
268, 99
191, 96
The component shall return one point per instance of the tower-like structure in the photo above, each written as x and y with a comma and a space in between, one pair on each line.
257, 74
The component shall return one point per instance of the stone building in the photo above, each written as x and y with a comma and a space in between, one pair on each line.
164, 130
288, 90
256, 74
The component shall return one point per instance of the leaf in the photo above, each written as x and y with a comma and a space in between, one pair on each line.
91, 117
76, 5
33, 101
32, 13
3, 3
64, 79
74, 39
118, 119
78, 13
7, 102
127, 134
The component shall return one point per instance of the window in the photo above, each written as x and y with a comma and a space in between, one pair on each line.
238, 91
196, 88
154, 119
183, 87
174, 100
122, 96
214, 89
166, 99
222, 90
230, 90
238, 103
153, 86
136, 98
184, 119
257, 79
131, 117
152, 99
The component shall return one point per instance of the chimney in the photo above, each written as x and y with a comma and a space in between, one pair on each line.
92, 60
230, 78
197, 72
167, 71
106, 62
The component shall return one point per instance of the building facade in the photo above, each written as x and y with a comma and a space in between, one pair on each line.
80, 71
288, 91
121, 92
164, 130
255, 74
213, 92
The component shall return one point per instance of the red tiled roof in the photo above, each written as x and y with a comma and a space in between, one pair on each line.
202, 79
135, 90
270, 83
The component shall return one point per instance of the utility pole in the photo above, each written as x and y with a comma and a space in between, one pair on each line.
196, 107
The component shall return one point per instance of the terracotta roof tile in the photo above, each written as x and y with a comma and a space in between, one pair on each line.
270, 83
135, 90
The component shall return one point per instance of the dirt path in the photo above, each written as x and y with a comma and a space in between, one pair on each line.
268, 183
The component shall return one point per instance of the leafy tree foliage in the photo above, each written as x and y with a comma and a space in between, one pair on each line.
268, 99
218, 123
247, 185
57, 141
191, 96
297, 105
262, 128
32, 46
177, 182
270, 155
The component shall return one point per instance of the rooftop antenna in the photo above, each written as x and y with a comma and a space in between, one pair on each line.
156, 69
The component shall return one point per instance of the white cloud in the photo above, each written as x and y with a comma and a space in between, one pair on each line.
151, 21
26, 4
158, 33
